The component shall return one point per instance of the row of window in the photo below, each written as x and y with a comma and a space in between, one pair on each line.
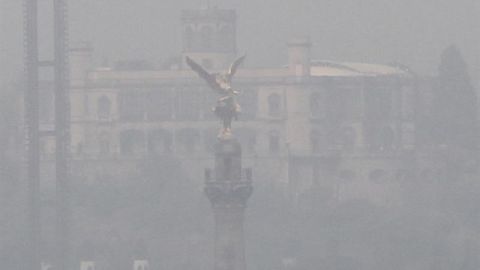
179, 104
381, 176
345, 104
159, 142
191, 104
189, 140
376, 138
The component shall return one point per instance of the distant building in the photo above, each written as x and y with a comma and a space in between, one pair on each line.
318, 132
341, 127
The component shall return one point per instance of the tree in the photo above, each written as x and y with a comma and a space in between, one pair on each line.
455, 103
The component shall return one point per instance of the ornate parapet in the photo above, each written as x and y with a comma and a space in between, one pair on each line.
228, 184
229, 193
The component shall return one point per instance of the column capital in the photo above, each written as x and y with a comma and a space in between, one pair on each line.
229, 193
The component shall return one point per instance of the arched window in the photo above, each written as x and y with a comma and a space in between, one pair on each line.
159, 142
131, 142
187, 140
206, 34
131, 106
160, 105
247, 138
249, 101
274, 105
104, 144
345, 178
336, 137
378, 103
103, 107
335, 104
274, 142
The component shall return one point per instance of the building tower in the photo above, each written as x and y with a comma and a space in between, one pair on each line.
209, 36
228, 193
299, 56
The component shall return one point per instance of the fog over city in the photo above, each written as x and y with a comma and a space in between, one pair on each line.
410, 32
239, 135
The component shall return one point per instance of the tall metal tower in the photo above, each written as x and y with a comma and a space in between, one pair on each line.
32, 130
61, 131
62, 134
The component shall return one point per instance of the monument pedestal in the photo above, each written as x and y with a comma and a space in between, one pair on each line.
228, 189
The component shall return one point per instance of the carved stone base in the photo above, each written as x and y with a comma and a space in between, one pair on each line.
228, 190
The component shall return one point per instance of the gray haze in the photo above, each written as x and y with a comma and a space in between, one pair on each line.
410, 32
407, 142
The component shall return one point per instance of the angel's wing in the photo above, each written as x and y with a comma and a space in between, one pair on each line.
202, 72
234, 66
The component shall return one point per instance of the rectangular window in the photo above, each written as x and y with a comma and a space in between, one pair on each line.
247, 99
189, 104
159, 105
378, 104
210, 102
132, 106
132, 142
341, 104
274, 143
317, 103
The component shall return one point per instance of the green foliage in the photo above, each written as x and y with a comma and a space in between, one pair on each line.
455, 103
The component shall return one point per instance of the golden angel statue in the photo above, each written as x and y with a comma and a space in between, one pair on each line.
227, 107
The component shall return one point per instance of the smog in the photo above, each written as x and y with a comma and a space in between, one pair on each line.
239, 135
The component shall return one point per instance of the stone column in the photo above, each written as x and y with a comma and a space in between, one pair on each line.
228, 190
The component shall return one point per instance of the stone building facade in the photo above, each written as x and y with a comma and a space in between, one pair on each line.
323, 134
342, 127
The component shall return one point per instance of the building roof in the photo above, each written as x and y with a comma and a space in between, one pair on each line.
318, 69
351, 69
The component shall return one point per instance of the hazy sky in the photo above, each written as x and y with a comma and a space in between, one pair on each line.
412, 32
